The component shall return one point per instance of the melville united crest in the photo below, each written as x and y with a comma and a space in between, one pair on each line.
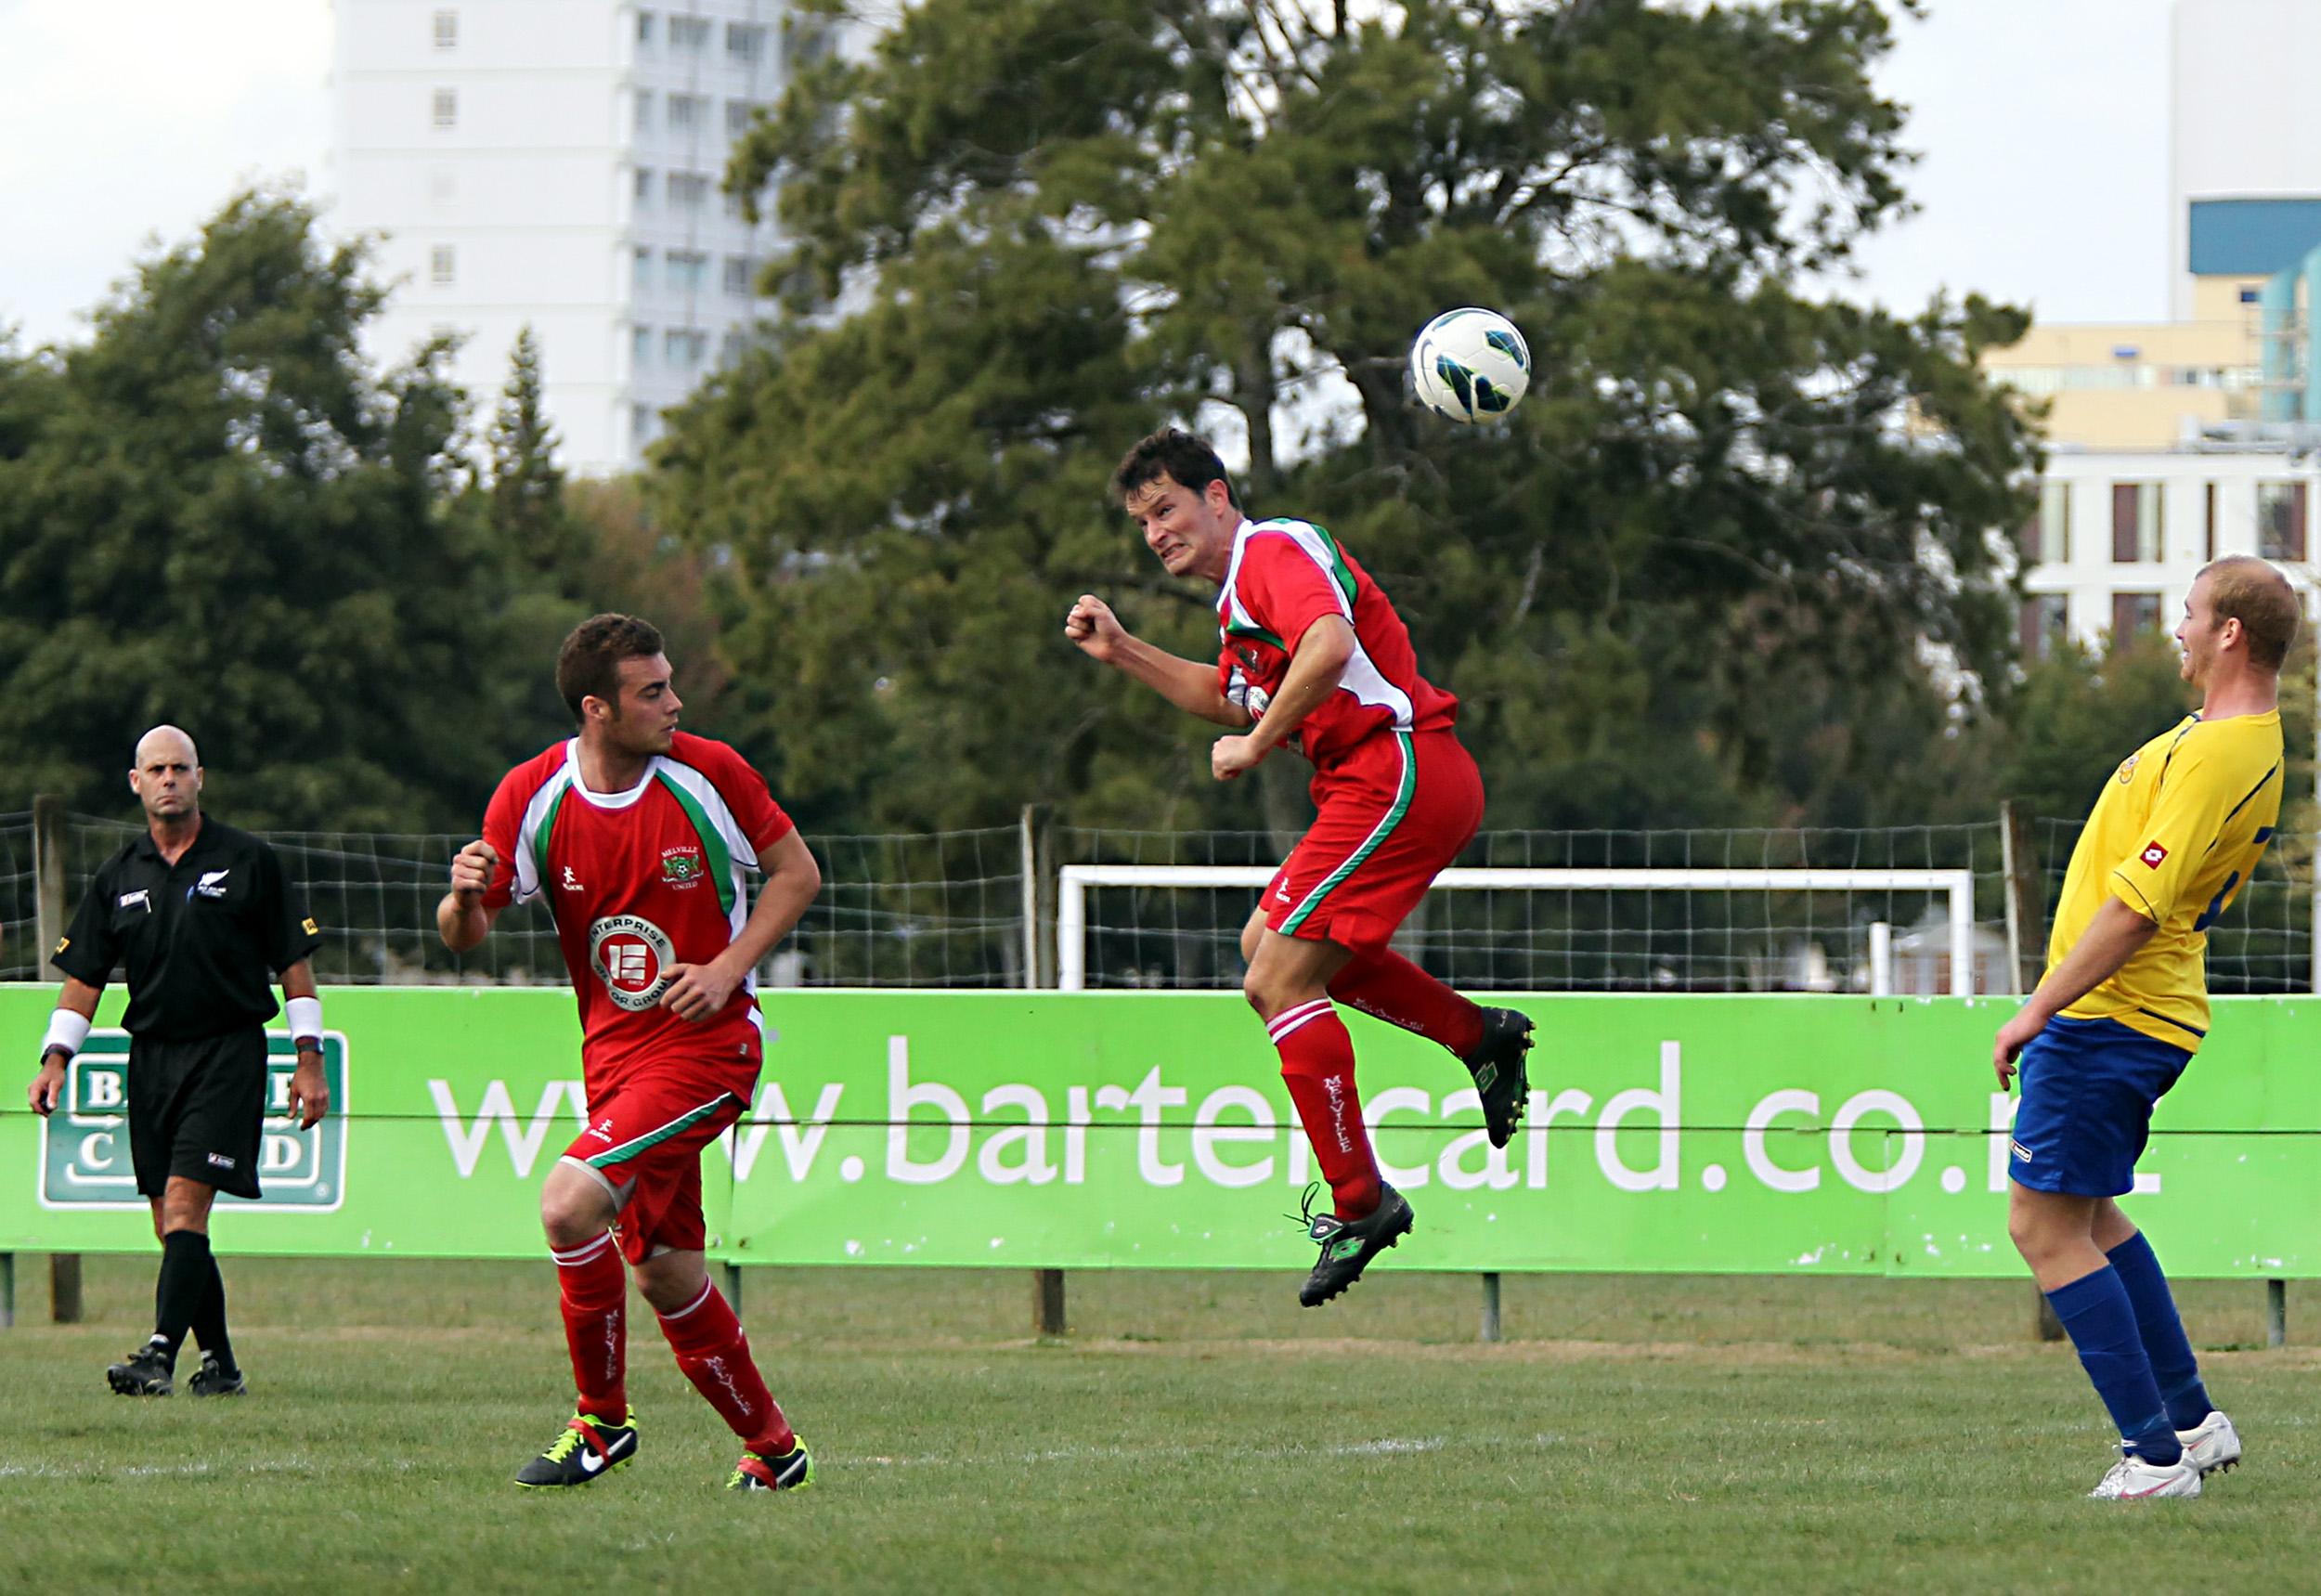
682, 865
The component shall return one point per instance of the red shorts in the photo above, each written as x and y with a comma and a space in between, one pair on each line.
1393, 813
644, 1140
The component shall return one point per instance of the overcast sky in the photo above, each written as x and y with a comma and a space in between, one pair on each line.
2043, 123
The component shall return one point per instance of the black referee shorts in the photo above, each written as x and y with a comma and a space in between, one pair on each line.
198, 1110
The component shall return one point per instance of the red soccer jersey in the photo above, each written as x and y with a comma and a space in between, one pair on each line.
1287, 575
637, 881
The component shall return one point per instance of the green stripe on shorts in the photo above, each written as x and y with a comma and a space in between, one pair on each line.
1379, 834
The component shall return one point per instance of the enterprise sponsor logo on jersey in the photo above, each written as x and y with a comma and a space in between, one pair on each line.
631, 956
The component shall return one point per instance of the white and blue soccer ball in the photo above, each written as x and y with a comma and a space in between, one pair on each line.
1470, 365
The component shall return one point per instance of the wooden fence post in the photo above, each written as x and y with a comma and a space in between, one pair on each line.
1047, 1304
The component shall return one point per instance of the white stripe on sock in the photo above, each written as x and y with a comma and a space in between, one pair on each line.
707, 1291
582, 1254
1305, 1014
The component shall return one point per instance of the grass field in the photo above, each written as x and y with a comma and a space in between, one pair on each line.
1196, 1433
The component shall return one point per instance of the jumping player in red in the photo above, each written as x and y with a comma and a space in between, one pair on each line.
1315, 656
638, 836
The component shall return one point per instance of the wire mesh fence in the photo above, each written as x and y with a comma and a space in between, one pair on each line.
1593, 938
951, 909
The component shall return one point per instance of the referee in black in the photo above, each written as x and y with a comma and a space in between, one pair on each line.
201, 916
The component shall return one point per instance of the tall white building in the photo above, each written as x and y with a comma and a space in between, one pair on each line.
558, 164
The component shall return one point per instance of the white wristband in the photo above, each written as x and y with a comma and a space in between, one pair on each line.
66, 1029
305, 1016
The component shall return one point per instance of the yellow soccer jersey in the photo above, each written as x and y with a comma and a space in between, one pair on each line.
2175, 834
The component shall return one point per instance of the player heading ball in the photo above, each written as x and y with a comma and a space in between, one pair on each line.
1312, 656
638, 836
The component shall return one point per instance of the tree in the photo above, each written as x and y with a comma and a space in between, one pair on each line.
1029, 230
213, 513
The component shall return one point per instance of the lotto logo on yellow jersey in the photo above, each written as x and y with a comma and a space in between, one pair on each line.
2153, 855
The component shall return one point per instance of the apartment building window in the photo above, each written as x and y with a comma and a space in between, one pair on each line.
443, 266
645, 110
738, 114
2281, 520
685, 347
733, 207
2207, 523
644, 28
688, 270
731, 347
641, 270
644, 186
2136, 528
447, 29
2134, 612
688, 33
688, 113
642, 351
447, 108
2046, 537
741, 275
2046, 623
688, 190
745, 43
640, 423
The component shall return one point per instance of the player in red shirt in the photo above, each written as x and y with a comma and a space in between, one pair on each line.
1313, 655
638, 836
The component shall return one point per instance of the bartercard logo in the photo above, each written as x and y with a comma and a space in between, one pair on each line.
2152, 855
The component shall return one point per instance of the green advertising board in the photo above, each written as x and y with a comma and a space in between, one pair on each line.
1700, 1134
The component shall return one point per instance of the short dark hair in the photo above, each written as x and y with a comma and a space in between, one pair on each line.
589, 664
2243, 588
1184, 459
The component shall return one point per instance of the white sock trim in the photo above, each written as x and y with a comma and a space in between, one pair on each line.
708, 1289
582, 1254
1304, 1014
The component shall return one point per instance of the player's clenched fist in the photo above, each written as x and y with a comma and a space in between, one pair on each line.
1094, 626
472, 868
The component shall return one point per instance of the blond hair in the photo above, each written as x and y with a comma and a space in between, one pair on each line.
2243, 588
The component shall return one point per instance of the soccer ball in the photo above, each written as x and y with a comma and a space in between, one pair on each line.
1470, 365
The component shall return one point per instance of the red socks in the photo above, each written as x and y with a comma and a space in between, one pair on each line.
596, 1295
1318, 1066
1386, 986
714, 1353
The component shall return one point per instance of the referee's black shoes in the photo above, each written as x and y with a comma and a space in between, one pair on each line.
210, 1381
149, 1371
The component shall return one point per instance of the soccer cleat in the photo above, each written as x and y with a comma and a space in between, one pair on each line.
588, 1450
1497, 1066
149, 1371
2212, 1444
1348, 1245
792, 1470
210, 1381
2133, 1480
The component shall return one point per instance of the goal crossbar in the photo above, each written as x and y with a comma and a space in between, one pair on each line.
1072, 906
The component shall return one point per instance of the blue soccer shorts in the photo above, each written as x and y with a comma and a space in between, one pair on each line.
2089, 1087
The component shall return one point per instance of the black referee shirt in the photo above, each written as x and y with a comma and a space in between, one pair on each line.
201, 938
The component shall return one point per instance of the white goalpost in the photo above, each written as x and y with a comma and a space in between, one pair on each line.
1958, 885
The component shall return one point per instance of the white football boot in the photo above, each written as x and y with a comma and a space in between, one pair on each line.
2210, 1444
2133, 1480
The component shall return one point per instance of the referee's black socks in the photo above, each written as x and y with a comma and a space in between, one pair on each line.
188, 1273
